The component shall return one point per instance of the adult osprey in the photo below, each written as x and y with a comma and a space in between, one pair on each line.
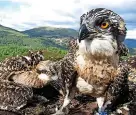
93, 65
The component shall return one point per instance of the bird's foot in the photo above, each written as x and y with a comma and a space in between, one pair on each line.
62, 111
106, 105
103, 113
59, 113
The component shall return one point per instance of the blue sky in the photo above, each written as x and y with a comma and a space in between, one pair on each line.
27, 14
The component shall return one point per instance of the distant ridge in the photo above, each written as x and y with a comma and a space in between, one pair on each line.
9, 31
43, 37
131, 43
51, 32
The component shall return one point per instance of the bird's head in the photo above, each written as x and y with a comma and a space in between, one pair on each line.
101, 32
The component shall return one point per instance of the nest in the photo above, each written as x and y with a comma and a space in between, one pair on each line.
80, 105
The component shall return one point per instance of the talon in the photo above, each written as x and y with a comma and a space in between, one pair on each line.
101, 112
59, 113
56, 109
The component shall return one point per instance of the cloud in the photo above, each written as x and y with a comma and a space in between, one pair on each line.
131, 34
61, 13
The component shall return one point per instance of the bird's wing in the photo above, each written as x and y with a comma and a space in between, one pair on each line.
122, 91
19, 63
64, 68
131, 61
119, 87
14, 96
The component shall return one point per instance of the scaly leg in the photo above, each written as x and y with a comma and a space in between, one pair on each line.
65, 103
100, 101
70, 93
101, 105
69, 96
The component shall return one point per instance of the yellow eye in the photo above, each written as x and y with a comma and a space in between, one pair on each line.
104, 25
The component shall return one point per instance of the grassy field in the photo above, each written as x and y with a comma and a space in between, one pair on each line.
49, 53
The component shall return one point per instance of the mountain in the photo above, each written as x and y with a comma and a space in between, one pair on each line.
51, 32
132, 51
12, 37
6, 31
43, 37
131, 43
13, 42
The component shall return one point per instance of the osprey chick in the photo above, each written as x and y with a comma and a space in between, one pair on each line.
100, 45
20, 63
101, 35
36, 78
14, 96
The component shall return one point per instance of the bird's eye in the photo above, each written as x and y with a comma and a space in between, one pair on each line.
104, 25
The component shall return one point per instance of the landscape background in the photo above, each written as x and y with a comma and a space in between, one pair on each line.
52, 41
48, 24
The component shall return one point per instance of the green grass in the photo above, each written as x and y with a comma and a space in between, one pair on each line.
54, 53
49, 53
10, 51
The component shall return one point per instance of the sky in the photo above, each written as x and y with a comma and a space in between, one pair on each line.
27, 14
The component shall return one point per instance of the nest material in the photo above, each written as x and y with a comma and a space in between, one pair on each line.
80, 105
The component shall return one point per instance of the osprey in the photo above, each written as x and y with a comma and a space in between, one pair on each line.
20, 63
19, 77
93, 65
28, 70
38, 77
14, 96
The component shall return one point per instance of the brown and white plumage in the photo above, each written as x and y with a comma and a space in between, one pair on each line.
18, 81
131, 61
32, 72
27, 70
121, 92
36, 78
94, 64
20, 63
14, 96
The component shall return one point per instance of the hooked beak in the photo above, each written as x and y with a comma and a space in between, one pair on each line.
84, 33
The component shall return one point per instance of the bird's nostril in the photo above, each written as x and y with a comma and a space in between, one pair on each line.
93, 32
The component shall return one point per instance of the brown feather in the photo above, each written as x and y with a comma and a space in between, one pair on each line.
97, 72
31, 78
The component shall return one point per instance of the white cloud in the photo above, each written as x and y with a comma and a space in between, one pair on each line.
131, 34
40, 12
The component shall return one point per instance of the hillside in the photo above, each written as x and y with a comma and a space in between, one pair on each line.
40, 38
132, 51
43, 37
13, 42
131, 43
51, 32
9, 36
5, 31
57, 33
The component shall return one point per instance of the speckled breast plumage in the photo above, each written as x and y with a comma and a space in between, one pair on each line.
98, 74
